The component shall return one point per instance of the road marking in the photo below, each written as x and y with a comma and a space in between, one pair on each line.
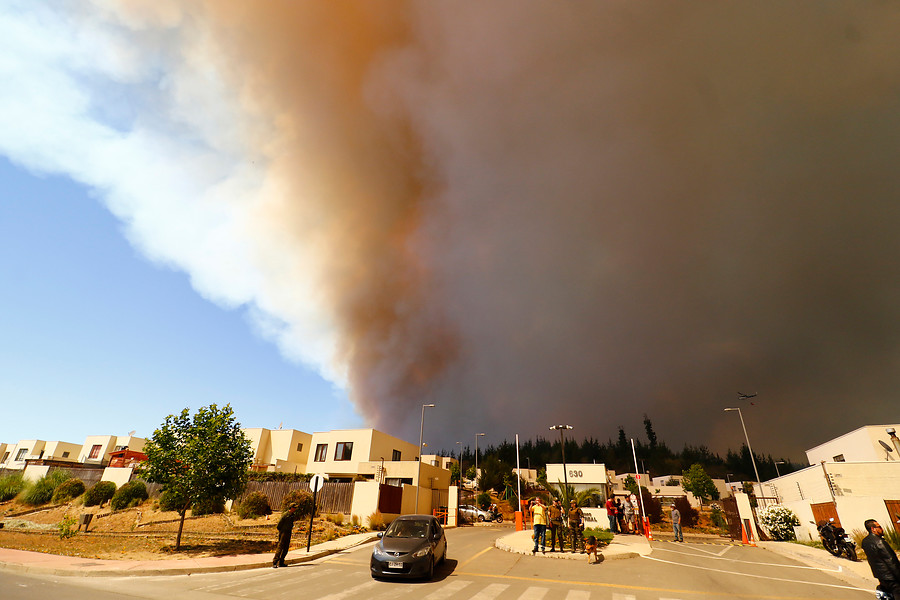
448, 590
578, 595
750, 562
350, 591
534, 593
461, 565
831, 585
490, 592
623, 597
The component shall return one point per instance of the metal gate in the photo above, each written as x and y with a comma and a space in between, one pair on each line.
893, 509
729, 507
824, 511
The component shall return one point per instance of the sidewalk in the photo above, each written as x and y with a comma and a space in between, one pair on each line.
622, 546
37, 563
855, 573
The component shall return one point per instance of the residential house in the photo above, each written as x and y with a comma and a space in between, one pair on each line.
97, 448
279, 450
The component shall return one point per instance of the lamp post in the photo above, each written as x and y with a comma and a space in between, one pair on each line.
460, 465
778, 462
747, 438
419, 473
562, 447
477, 435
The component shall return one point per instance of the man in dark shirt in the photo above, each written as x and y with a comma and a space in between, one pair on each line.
882, 558
575, 520
285, 529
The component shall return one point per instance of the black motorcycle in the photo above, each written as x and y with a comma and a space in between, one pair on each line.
495, 515
836, 540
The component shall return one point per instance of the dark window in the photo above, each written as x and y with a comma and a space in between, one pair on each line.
343, 450
65, 455
5, 456
839, 458
299, 446
95, 451
20, 455
396, 455
321, 449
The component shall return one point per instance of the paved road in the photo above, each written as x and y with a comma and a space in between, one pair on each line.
475, 570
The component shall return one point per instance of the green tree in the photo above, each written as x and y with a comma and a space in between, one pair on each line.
199, 460
696, 481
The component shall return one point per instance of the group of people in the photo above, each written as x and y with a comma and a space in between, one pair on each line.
557, 521
621, 512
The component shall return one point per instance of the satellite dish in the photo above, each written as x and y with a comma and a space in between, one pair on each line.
885, 446
132, 432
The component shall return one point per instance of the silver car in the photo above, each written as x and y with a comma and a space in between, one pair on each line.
410, 547
473, 513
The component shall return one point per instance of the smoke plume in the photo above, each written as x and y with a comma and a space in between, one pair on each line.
527, 213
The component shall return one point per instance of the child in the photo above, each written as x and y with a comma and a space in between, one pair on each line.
590, 547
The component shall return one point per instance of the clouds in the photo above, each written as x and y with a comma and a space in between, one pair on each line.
524, 213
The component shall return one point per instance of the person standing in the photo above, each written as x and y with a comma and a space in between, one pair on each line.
676, 524
611, 514
575, 521
555, 525
620, 515
285, 528
882, 559
629, 515
539, 518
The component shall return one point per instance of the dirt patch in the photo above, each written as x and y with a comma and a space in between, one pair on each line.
146, 533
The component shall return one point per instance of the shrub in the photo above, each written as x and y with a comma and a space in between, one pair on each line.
301, 499
208, 507
10, 486
652, 506
336, 518
100, 492
483, 501
41, 491
779, 521
67, 527
169, 502
376, 522
130, 494
68, 490
689, 514
255, 505
717, 517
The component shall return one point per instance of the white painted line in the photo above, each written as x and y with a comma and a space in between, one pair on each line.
490, 592
534, 593
750, 562
350, 591
830, 585
447, 590
578, 595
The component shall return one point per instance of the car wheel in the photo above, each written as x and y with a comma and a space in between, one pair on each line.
430, 574
481, 518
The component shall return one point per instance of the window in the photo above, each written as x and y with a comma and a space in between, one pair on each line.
343, 450
5, 456
65, 455
20, 455
95, 451
396, 455
299, 446
321, 449
839, 458
120, 448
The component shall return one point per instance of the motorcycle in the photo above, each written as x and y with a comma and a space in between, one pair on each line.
495, 515
836, 540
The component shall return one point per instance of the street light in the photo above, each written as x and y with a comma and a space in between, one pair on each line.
747, 438
419, 473
460, 465
477, 435
562, 447
778, 462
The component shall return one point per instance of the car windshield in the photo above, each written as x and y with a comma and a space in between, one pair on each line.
407, 529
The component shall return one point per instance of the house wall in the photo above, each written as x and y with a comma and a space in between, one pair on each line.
369, 445
581, 476
860, 489
284, 452
107, 444
118, 475
4, 448
860, 445
33, 449
56, 450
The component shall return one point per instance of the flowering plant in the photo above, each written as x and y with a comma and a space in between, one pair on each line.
779, 521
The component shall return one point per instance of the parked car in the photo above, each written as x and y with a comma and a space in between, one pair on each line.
410, 547
473, 513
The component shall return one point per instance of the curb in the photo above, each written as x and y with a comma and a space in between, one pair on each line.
78, 568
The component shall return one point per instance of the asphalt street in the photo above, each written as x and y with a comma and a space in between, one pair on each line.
476, 570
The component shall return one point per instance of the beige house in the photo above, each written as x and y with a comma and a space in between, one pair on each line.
16, 455
858, 480
96, 448
279, 450
344, 454
4, 453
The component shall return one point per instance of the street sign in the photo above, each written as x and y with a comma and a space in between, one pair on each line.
317, 482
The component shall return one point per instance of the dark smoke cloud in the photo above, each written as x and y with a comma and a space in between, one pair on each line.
541, 212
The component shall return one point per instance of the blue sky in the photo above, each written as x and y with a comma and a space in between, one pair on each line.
96, 339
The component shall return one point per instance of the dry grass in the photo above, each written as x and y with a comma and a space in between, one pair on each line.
146, 533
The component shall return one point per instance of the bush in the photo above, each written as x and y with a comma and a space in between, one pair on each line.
717, 517
376, 522
10, 486
483, 501
68, 490
41, 491
100, 492
689, 514
169, 502
336, 518
652, 506
255, 505
130, 494
208, 507
779, 521
302, 500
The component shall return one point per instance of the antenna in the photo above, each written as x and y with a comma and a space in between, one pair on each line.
132, 432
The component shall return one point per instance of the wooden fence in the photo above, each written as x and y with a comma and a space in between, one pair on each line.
334, 497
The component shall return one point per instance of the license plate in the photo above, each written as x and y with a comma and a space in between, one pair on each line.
395, 565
